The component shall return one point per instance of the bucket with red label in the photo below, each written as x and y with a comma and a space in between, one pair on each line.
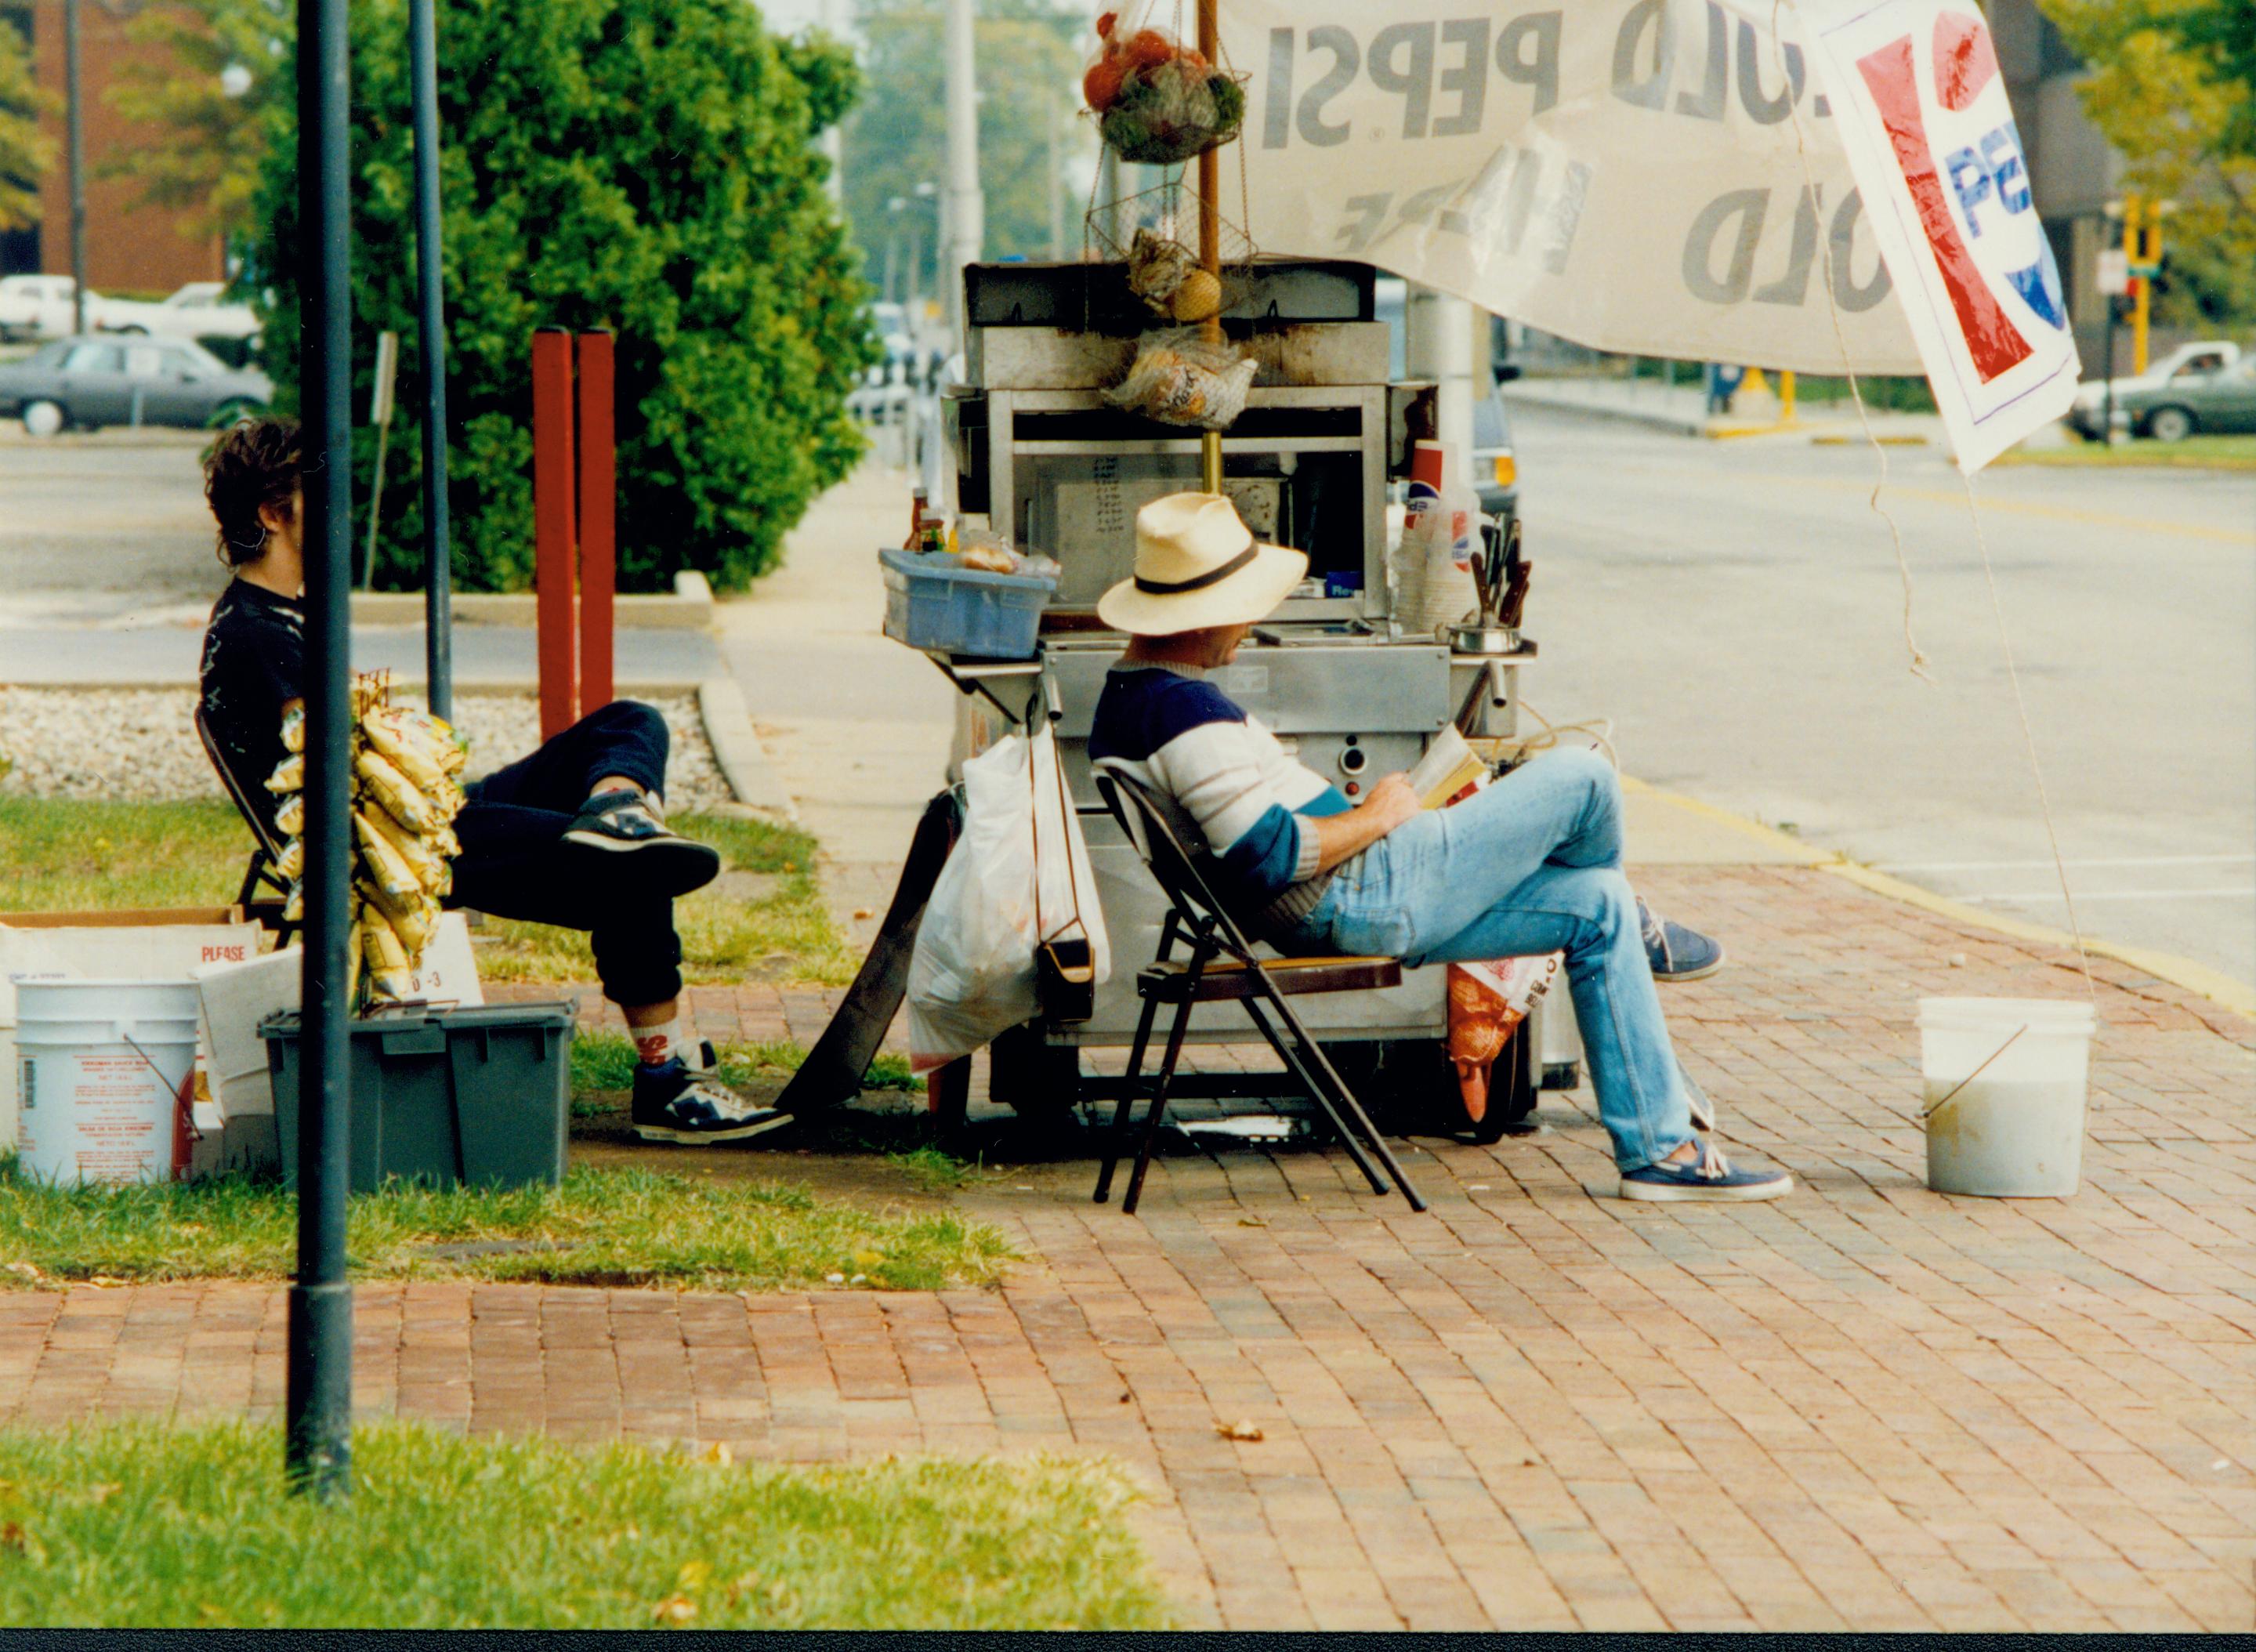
108, 1079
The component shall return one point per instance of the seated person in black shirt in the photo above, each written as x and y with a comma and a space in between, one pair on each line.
573, 835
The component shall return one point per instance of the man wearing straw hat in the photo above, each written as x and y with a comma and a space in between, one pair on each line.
1529, 866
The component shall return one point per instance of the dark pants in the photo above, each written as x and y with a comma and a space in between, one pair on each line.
516, 865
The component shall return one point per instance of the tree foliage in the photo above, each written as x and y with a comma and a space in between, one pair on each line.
642, 166
2172, 87
212, 75
1029, 54
25, 153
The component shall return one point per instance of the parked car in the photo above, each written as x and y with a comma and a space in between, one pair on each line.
1495, 466
198, 310
35, 307
2218, 402
93, 380
40, 306
2187, 362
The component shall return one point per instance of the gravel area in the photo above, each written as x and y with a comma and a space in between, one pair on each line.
140, 745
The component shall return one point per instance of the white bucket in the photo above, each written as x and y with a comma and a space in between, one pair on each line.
2005, 1082
104, 1067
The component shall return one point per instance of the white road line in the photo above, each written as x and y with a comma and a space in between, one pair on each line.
2121, 894
2046, 866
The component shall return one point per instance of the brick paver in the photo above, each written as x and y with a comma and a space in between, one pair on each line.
1864, 1406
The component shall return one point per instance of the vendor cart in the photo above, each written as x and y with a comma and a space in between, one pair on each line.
1050, 464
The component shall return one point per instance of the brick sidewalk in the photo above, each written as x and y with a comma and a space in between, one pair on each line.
1866, 1406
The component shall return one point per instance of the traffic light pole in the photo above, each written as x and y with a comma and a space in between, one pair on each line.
438, 573
318, 1400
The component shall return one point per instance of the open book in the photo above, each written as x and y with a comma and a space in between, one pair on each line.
1446, 768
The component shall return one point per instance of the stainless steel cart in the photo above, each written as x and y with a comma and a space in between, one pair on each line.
1038, 450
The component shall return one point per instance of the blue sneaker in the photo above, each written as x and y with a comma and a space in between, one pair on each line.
1676, 953
1705, 1178
676, 1102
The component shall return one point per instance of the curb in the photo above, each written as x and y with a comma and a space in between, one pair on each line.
1712, 430
2199, 979
1654, 418
690, 608
743, 761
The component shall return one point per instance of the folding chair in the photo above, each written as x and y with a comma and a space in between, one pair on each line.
1222, 968
265, 854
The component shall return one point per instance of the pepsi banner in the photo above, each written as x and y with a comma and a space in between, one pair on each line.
1933, 143
1662, 177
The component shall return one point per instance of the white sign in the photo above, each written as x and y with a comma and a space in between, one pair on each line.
1674, 178
387, 375
1932, 140
1661, 177
2114, 273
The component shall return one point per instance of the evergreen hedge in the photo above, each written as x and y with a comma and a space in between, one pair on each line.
647, 167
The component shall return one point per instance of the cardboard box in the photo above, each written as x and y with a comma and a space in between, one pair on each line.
237, 996
160, 944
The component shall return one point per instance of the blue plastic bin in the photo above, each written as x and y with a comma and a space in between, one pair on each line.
931, 602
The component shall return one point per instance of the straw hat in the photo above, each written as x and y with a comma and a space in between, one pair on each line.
1197, 565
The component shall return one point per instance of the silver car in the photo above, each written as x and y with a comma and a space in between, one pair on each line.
97, 380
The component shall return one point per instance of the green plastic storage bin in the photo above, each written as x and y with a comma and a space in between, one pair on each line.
480, 1095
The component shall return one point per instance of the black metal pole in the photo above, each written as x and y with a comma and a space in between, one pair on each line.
319, 1400
438, 620
75, 141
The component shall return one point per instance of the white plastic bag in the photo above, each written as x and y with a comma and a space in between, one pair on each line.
971, 974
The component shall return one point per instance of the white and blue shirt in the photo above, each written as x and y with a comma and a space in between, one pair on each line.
1179, 734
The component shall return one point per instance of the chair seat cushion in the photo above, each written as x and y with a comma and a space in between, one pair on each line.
1226, 978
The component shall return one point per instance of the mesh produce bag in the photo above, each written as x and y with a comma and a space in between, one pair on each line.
1180, 377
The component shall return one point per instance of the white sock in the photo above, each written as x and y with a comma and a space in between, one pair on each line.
657, 1045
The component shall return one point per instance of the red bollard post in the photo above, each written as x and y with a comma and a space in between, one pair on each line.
552, 528
598, 520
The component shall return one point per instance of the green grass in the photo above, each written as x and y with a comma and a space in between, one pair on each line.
932, 1170
2204, 452
62, 856
133, 1525
602, 1226
58, 855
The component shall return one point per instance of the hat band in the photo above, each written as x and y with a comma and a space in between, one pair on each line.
1162, 588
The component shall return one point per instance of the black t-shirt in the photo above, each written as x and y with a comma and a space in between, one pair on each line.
254, 662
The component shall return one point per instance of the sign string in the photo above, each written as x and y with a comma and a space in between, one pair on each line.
1973, 510
1841, 339
2028, 738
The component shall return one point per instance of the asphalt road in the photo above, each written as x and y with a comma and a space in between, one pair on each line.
105, 528
1733, 607
1736, 609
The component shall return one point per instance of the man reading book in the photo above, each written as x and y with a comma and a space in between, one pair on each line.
1527, 866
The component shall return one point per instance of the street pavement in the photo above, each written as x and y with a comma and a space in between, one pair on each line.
107, 574
1735, 609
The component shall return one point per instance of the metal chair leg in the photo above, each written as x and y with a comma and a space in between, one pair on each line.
1355, 1108
1316, 1093
1118, 1134
1159, 1108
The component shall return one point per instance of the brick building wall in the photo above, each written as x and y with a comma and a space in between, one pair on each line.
129, 248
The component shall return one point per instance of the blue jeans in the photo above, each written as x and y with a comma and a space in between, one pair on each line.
1529, 867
